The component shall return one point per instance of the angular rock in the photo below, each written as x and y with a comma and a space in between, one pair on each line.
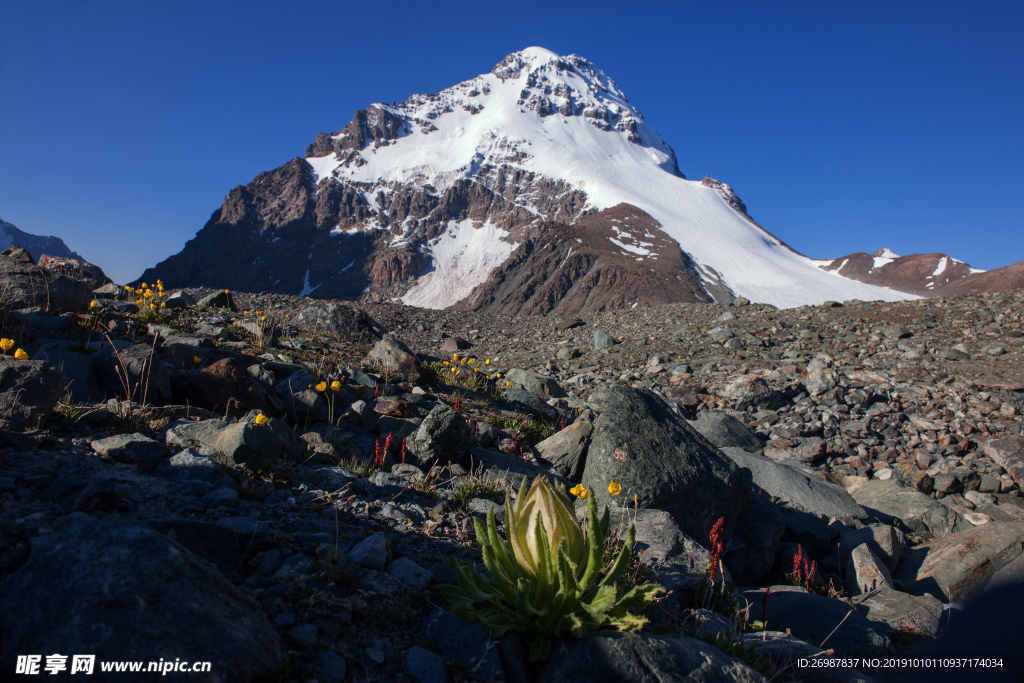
724, 430
661, 460
133, 449
146, 380
748, 392
821, 376
442, 437
29, 391
545, 387
410, 573
26, 285
249, 445
215, 384
882, 539
566, 450
603, 340
813, 617
394, 362
958, 567
221, 299
371, 552
900, 611
615, 657
190, 611
340, 321
865, 572
394, 406
461, 641
888, 500
795, 486
79, 369
679, 561
454, 345
803, 450
425, 666
305, 407
531, 402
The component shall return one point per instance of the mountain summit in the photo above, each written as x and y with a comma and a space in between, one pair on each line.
534, 188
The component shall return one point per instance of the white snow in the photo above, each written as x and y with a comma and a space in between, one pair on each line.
881, 261
630, 247
306, 289
889, 253
943, 262
604, 164
348, 266
463, 256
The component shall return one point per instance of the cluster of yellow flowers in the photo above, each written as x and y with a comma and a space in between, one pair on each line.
580, 491
148, 297
335, 386
457, 366
8, 344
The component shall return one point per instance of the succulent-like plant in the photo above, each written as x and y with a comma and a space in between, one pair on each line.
549, 582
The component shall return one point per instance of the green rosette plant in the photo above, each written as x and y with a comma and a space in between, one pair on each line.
550, 578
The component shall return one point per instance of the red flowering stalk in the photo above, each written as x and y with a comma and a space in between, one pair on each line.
716, 547
810, 576
387, 443
376, 391
797, 566
458, 406
403, 449
378, 456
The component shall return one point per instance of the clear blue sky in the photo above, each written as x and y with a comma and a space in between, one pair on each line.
844, 126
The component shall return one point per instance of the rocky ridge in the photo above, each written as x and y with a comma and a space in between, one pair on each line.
873, 441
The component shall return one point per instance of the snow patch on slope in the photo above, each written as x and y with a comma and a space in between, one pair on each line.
464, 257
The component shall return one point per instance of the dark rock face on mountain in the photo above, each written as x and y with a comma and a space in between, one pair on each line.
36, 245
590, 267
926, 274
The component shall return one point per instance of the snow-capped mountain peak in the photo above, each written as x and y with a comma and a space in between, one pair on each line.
431, 198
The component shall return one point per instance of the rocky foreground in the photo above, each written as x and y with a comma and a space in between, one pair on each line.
865, 458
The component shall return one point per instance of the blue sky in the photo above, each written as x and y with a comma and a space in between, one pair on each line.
844, 126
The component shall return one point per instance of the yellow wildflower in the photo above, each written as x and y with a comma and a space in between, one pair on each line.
93, 304
322, 386
335, 385
197, 359
614, 488
487, 362
579, 491
6, 344
227, 291
20, 355
143, 285
498, 375
261, 419
508, 384
153, 306
263, 318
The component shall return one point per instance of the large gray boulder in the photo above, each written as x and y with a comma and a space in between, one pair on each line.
679, 561
395, 362
795, 486
958, 567
821, 376
29, 391
813, 617
26, 285
882, 539
566, 450
886, 500
133, 449
126, 592
545, 387
442, 437
724, 430
247, 445
78, 368
340, 321
134, 372
615, 657
894, 610
662, 462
